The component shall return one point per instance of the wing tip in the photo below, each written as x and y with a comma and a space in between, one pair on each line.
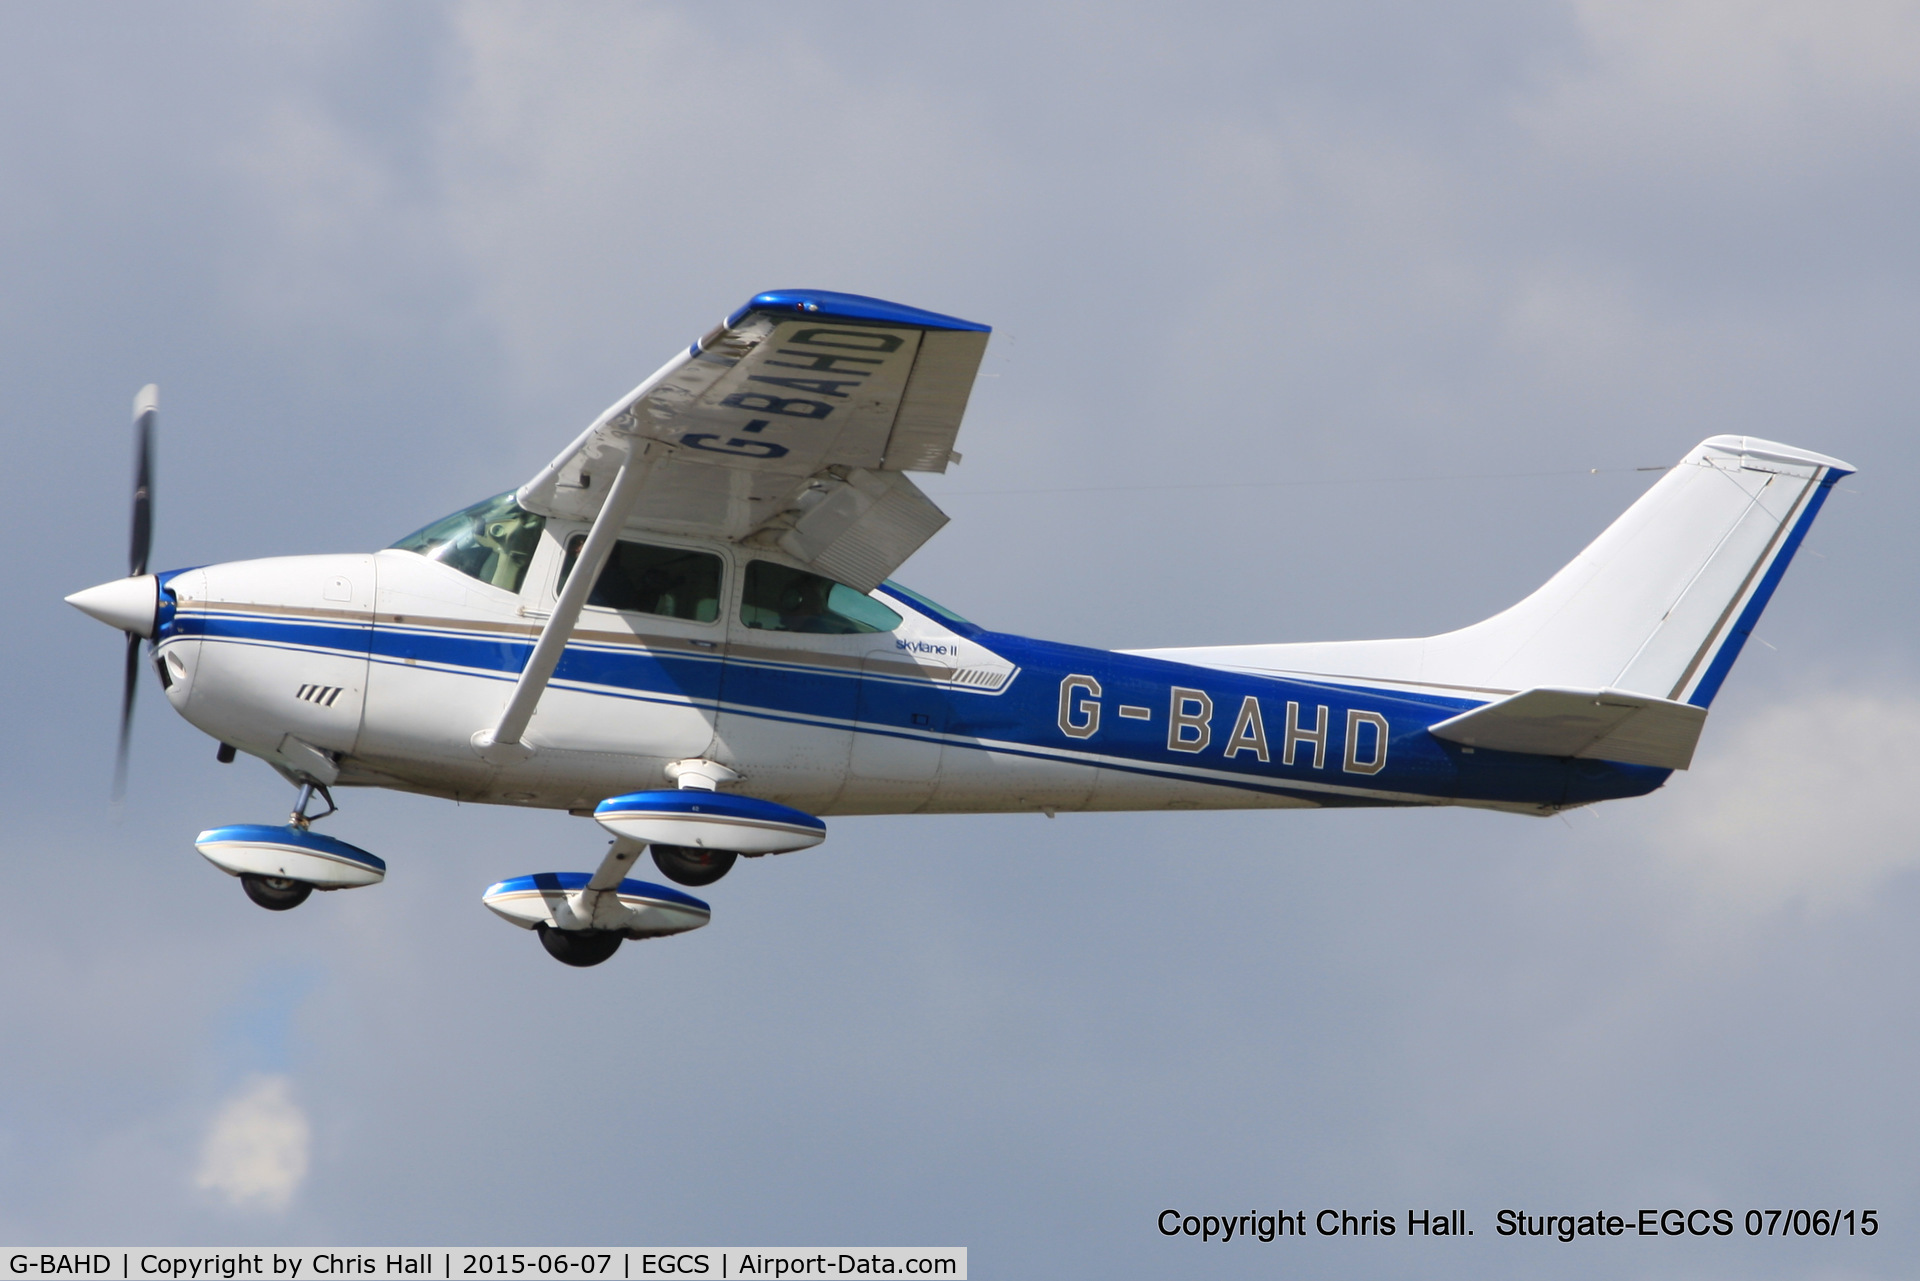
828, 305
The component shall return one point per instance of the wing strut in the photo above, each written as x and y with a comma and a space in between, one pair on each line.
501, 745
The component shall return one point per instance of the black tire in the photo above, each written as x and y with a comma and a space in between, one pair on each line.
275, 893
690, 865
579, 948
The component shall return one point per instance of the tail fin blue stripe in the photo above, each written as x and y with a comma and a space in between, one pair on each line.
1722, 663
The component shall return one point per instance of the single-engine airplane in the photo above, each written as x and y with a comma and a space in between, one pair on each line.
683, 628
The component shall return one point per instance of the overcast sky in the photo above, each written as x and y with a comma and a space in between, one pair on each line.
1310, 322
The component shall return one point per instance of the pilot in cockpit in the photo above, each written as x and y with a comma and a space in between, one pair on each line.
803, 606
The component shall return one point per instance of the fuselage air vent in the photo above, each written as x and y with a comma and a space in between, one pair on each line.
323, 695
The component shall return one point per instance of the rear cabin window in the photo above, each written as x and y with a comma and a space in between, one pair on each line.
779, 599
492, 541
640, 578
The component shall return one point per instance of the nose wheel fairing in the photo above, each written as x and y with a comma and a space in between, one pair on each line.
290, 852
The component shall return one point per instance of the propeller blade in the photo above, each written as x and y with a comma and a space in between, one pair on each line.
146, 408
126, 715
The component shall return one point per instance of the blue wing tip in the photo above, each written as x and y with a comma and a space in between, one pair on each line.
828, 305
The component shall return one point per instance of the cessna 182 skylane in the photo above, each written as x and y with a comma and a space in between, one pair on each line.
683, 628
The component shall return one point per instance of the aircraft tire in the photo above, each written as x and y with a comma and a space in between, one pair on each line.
579, 948
689, 865
275, 893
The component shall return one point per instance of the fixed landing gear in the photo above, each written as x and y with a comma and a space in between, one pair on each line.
275, 893
696, 835
280, 867
690, 865
579, 948
283, 893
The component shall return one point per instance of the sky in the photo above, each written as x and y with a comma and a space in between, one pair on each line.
1310, 322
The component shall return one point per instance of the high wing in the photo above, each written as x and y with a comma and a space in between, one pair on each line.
788, 425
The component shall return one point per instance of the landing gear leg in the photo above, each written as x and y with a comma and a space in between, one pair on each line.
300, 817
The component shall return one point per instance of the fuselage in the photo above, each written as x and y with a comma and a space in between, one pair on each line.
379, 669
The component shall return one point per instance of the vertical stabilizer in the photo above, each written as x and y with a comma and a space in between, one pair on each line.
1659, 604
1737, 506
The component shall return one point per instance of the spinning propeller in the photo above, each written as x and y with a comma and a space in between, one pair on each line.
131, 603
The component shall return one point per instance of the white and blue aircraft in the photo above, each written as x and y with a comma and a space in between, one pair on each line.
683, 628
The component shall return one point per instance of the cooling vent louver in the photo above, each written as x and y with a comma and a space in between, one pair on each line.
322, 695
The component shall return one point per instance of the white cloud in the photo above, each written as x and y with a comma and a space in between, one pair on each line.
321, 196
1810, 804
598, 166
255, 1154
1759, 85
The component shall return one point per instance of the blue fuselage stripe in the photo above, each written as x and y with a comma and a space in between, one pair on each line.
1021, 719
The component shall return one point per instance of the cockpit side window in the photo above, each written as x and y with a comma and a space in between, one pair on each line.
776, 598
492, 541
641, 578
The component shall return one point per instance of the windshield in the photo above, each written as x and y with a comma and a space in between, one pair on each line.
492, 541
935, 608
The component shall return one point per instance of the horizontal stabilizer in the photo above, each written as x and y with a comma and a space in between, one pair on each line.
1599, 724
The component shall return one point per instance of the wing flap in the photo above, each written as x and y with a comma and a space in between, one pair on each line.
859, 529
1596, 724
